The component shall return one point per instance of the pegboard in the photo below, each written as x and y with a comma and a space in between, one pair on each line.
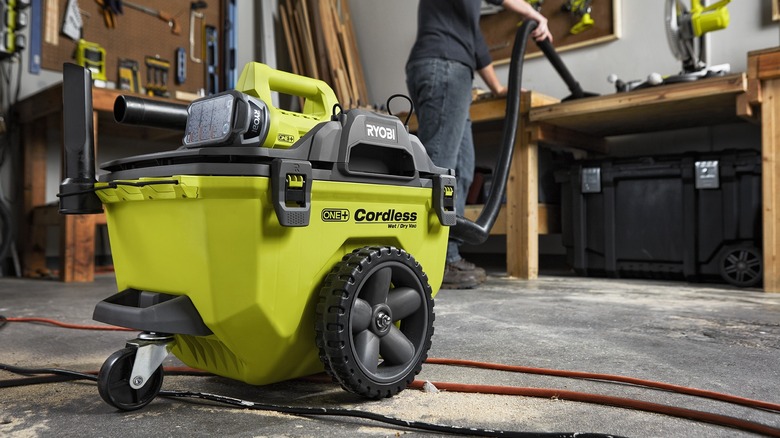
135, 36
499, 29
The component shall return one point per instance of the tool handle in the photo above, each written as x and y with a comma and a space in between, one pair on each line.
259, 80
172, 22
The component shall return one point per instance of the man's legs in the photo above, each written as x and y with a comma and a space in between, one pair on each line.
441, 91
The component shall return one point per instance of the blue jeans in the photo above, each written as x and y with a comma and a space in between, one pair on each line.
441, 92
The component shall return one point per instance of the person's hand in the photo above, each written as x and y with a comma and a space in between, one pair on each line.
542, 32
501, 91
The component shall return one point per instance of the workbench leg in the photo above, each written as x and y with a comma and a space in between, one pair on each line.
770, 148
522, 234
32, 242
77, 248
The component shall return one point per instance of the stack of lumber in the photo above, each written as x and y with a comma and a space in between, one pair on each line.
321, 44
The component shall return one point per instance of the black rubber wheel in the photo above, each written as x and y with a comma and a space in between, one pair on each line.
114, 382
742, 266
375, 321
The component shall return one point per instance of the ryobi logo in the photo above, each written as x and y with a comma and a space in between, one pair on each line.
335, 215
380, 131
256, 120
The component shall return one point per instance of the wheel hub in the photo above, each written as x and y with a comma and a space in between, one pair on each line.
382, 319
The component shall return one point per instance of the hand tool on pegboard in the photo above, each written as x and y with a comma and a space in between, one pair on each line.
195, 15
72, 24
157, 76
110, 9
162, 15
12, 21
212, 59
36, 32
181, 65
128, 75
92, 56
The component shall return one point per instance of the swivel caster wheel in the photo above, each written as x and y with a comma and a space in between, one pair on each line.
375, 321
114, 382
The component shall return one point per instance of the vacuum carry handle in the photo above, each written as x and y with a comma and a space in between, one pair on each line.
259, 80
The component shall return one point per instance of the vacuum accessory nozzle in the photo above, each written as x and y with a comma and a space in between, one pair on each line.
230, 118
77, 195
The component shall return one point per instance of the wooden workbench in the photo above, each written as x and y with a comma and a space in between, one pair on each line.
38, 115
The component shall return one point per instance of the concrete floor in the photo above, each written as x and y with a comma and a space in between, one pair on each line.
704, 336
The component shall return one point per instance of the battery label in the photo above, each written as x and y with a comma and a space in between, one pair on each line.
335, 215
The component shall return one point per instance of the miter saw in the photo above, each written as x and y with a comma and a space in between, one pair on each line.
684, 26
685, 30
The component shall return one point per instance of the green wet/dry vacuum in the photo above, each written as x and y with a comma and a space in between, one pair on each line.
261, 261
271, 244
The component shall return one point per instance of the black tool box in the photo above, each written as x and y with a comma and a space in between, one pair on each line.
695, 217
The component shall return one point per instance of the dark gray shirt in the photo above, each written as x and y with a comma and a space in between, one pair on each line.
449, 29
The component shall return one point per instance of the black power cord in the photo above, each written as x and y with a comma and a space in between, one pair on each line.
55, 375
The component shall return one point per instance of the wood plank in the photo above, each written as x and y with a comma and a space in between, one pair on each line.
49, 216
472, 213
319, 47
339, 82
770, 169
764, 64
561, 137
292, 49
78, 248
307, 42
32, 245
355, 54
522, 192
349, 67
549, 218
703, 102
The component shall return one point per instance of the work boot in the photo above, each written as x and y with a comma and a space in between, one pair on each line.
462, 275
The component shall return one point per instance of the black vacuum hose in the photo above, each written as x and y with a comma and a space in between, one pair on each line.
475, 233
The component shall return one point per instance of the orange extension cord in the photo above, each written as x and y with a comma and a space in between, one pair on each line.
71, 326
721, 420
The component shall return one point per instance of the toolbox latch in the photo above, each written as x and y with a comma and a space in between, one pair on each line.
444, 199
591, 180
291, 191
707, 175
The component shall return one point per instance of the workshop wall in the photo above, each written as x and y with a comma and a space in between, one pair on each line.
246, 51
386, 30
